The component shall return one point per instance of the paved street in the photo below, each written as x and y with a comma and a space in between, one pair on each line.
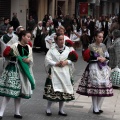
79, 109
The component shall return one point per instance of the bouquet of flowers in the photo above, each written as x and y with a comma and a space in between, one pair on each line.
69, 43
8, 52
86, 55
73, 56
90, 56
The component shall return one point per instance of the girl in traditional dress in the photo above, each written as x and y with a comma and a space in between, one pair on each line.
15, 82
95, 81
58, 86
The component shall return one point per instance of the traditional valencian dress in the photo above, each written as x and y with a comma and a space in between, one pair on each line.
14, 82
58, 85
96, 78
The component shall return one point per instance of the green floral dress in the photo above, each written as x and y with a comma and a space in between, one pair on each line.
10, 83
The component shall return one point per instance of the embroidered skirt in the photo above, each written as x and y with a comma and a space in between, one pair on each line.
50, 95
95, 82
10, 83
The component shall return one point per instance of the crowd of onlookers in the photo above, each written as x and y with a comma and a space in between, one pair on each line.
76, 28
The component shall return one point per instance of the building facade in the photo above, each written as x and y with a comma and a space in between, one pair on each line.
38, 8
98, 8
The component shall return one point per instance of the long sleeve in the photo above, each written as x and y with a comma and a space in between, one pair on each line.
35, 32
117, 53
49, 60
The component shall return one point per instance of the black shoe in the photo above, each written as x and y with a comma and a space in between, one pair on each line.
1, 117
62, 114
100, 111
48, 114
96, 112
115, 87
18, 116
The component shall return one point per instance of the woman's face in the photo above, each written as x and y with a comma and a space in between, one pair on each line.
74, 20
61, 32
47, 24
26, 38
40, 24
10, 30
99, 38
60, 41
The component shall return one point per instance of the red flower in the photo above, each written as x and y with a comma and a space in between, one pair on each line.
8, 51
73, 56
86, 55
69, 43
30, 43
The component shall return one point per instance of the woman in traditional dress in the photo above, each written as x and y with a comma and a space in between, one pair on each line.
15, 82
46, 32
95, 81
18, 30
9, 38
37, 33
74, 36
58, 86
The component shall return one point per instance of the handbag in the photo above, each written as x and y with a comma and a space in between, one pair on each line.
115, 76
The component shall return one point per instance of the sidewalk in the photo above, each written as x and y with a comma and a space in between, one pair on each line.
110, 105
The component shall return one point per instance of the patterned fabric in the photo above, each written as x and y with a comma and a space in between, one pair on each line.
95, 80
101, 49
49, 93
13, 82
10, 81
87, 88
115, 76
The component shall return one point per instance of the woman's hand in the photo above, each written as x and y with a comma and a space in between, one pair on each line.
26, 60
101, 59
58, 64
64, 63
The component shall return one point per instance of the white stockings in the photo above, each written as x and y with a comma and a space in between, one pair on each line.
17, 106
61, 104
96, 103
49, 107
4, 104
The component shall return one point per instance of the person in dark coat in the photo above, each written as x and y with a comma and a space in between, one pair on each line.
104, 28
31, 24
15, 22
37, 33
4, 26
